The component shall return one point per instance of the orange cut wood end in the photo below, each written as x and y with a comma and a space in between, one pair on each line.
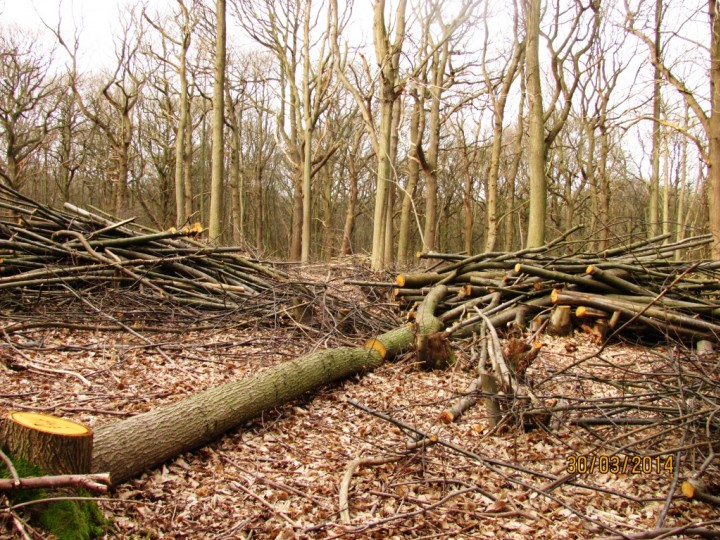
375, 345
446, 417
589, 269
581, 312
50, 424
518, 267
554, 296
688, 489
400, 280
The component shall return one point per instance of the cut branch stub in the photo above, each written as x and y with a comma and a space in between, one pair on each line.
55, 445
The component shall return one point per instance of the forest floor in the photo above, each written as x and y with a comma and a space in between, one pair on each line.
278, 476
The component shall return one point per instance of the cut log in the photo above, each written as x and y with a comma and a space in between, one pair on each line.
55, 445
127, 448
695, 489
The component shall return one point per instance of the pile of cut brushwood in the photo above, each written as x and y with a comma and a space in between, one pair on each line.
52, 261
638, 290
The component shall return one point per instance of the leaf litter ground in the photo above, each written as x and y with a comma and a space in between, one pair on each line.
278, 476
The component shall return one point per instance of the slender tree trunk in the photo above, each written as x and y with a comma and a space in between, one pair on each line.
236, 188
297, 218
388, 57
714, 129
389, 255
666, 188
259, 208
604, 190
307, 143
439, 64
589, 165
681, 217
187, 168
515, 166
653, 204
121, 190
467, 211
413, 174
536, 130
180, 206
346, 247
216, 186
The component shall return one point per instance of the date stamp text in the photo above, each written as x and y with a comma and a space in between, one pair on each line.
619, 464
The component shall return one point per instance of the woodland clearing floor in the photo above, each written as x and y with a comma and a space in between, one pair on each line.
278, 476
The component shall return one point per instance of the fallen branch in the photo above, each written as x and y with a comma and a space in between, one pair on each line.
356, 463
93, 482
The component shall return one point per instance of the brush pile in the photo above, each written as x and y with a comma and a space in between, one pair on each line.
640, 289
50, 259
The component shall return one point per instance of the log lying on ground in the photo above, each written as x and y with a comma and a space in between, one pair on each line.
127, 448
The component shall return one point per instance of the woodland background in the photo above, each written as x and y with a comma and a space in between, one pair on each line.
305, 130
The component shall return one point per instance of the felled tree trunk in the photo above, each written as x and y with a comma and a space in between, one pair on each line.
127, 448
55, 445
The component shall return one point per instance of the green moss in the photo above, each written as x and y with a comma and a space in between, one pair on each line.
67, 520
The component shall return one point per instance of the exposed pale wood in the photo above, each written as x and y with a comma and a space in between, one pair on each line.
55, 445
560, 323
695, 489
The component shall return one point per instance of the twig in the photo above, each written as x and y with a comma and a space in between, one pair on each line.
11, 468
356, 463
93, 482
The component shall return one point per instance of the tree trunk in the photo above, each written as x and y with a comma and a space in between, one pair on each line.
653, 221
216, 186
127, 448
180, 207
417, 124
306, 144
297, 218
714, 129
536, 131
346, 247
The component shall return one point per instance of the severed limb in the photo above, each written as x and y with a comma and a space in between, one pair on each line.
695, 489
93, 482
356, 463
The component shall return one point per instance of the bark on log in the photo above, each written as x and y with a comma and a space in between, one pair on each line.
132, 446
127, 448
55, 445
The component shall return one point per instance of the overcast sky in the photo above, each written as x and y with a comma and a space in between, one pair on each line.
97, 21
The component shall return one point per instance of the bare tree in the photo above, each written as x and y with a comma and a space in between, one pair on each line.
572, 33
498, 93
215, 227
185, 21
709, 120
28, 98
109, 106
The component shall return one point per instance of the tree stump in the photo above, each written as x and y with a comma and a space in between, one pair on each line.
55, 445
560, 323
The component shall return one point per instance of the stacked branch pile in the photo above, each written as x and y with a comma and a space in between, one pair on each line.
638, 290
58, 259
45, 250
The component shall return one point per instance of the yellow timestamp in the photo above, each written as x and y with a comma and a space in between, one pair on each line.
619, 464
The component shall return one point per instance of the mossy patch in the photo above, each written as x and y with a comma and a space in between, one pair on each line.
65, 519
